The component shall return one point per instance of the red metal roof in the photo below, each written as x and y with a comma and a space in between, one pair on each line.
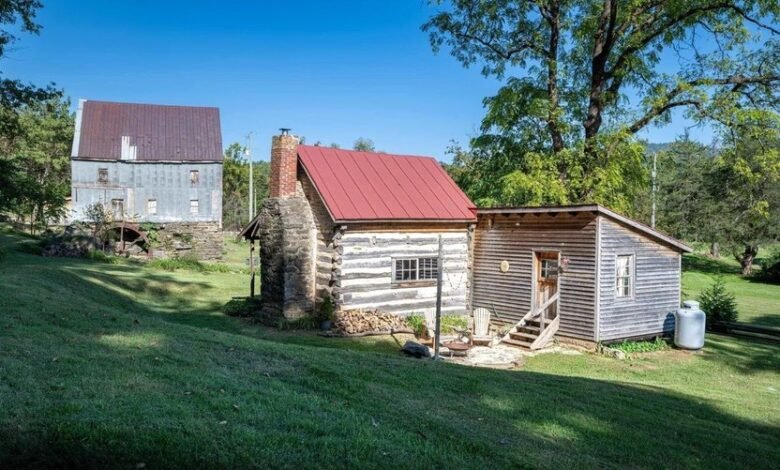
370, 187
157, 132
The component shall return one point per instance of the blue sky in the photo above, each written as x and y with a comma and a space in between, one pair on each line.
332, 71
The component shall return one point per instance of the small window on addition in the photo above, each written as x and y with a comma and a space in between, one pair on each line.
151, 207
194, 177
194, 207
407, 270
624, 271
102, 175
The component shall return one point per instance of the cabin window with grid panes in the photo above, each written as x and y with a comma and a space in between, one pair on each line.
415, 269
624, 279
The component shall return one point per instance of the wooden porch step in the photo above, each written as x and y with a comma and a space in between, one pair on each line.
518, 343
520, 335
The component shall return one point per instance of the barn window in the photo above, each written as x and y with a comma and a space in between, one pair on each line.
415, 269
194, 207
194, 177
102, 175
624, 270
151, 206
118, 208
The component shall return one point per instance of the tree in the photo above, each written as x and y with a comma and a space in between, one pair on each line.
564, 114
747, 182
235, 186
14, 94
687, 206
42, 161
363, 144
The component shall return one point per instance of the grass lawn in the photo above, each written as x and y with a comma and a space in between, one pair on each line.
758, 302
116, 365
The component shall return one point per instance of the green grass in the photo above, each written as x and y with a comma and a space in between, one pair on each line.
758, 302
114, 365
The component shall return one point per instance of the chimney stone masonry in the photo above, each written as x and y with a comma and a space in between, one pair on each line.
287, 237
284, 165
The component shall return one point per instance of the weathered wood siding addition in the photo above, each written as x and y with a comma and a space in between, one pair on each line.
366, 267
515, 238
656, 290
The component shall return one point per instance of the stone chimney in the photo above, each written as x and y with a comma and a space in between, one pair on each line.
287, 237
284, 165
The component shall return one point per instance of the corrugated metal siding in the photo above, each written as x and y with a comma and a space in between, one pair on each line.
157, 132
368, 186
514, 238
656, 290
135, 183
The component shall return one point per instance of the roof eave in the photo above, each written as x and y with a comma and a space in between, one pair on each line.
595, 208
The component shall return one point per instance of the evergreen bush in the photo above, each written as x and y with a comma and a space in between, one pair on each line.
718, 303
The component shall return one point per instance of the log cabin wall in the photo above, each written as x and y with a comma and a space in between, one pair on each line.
656, 290
365, 268
515, 238
325, 239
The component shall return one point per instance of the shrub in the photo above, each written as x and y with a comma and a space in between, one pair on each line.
31, 247
417, 324
449, 323
659, 344
770, 267
188, 263
718, 303
242, 306
326, 310
102, 257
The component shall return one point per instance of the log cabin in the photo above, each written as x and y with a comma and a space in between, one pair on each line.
363, 229
360, 228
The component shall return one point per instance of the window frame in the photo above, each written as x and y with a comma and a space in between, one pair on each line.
196, 180
427, 264
118, 203
148, 202
631, 276
103, 176
196, 206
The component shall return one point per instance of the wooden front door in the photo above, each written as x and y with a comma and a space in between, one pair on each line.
546, 282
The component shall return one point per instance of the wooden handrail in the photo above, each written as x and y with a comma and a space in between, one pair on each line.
534, 312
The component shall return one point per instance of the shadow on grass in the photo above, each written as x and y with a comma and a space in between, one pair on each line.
166, 395
747, 355
771, 320
704, 264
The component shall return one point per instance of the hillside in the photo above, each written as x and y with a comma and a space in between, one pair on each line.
119, 365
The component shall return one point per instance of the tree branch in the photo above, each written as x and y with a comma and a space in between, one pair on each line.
738, 82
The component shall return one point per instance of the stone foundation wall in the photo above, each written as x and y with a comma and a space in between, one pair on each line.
202, 240
287, 256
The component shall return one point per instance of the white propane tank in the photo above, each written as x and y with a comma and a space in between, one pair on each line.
689, 324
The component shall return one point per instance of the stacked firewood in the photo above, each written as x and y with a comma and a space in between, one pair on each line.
353, 322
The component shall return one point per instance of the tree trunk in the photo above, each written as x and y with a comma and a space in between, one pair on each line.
715, 250
746, 261
552, 77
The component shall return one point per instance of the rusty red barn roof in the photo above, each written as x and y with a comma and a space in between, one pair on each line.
157, 132
370, 187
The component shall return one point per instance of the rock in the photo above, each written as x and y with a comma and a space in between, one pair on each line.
415, 349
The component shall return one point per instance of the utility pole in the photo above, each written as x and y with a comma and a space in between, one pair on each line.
655, 186
439, 278
251, 178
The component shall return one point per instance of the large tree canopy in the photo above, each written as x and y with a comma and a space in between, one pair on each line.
582, 77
